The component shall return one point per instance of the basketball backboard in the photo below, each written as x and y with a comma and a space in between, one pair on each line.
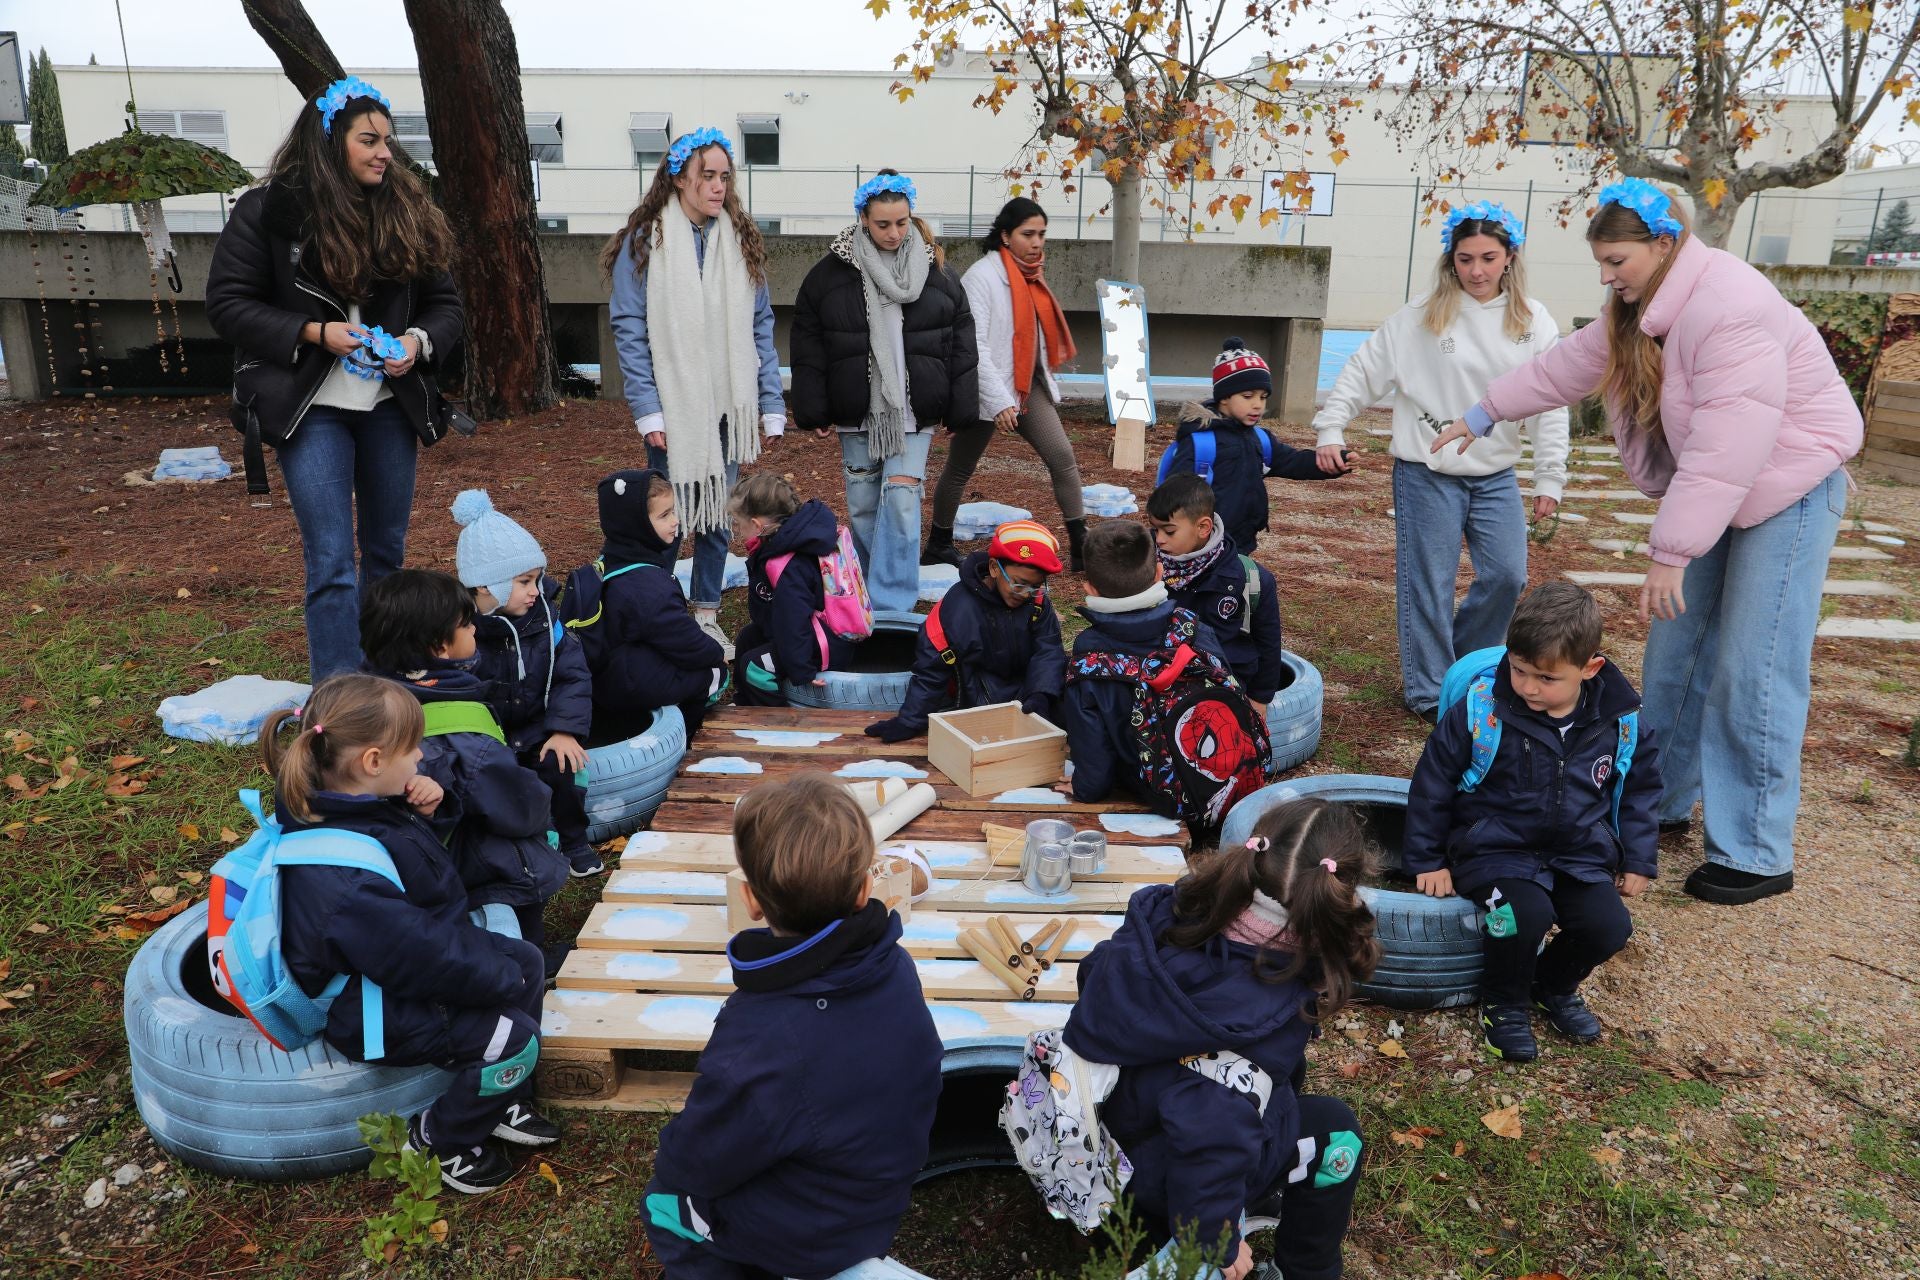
1560, 95
1314, 198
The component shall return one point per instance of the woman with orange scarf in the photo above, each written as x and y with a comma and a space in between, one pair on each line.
1022, 336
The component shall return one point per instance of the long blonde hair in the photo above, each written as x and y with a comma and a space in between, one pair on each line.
645, 218
1631, 384
1443, 304
343, 717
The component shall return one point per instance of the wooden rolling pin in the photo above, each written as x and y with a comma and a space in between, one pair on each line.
977, 945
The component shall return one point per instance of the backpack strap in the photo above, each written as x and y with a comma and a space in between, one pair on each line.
1484, 726
1163, 679
1265, 439
937, 633
1623, 760
599, 601
1249, 594
1203, 454
461, 716
776, 565
351, 851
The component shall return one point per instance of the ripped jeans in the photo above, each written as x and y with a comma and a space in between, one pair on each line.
884, 515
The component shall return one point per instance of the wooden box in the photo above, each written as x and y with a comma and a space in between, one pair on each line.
1893, 430
991, 749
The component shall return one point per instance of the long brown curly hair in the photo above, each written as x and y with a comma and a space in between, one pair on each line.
645, 218
360, 234
1631, 385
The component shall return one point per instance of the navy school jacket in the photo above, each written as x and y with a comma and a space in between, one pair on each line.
655, 655
1096, 713
418, 944
1000, 654
500, 843
1545, 806
1253, 649
1201, 1153
815, 1100
1239, 473
515, 655
783, 615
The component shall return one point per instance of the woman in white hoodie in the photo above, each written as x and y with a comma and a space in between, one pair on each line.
1435, 355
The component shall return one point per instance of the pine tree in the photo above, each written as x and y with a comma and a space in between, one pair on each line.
11, 152
1895, 232
48, 144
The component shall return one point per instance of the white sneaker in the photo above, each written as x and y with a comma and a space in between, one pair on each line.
710, 623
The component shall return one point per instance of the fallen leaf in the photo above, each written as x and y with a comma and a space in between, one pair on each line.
183, 594
167, 751
438, 1229
22, 741
126, 934
54, 1079
16, 782
6, 966
121, 785
1351, 1069
1505, 1122
1607, 1156
95, 700
228, 835
13, 829
120, 764
37, 927
1410, 1139
1392, 1049
212, 662
1425, 1131
36, 608
163, 893
546, 1171
1459, 1149
192, 877
29, 704
65, 773
391, 1249
39, 818
1543, 1275
189, 830
249, 1248
5, 1004
1533, 1157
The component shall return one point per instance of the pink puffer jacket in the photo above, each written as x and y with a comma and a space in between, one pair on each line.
1753, 412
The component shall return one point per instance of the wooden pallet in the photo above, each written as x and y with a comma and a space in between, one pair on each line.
577, 1019
661, 928
957, 860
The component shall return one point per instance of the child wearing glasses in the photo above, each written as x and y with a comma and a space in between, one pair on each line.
993, 638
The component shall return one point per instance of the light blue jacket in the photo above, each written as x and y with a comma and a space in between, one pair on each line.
628, 311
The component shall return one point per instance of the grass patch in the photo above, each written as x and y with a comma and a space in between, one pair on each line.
1885, 1148
1866, 1208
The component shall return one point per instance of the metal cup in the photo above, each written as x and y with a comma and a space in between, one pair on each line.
1039, 832
1088, 853
1052, 872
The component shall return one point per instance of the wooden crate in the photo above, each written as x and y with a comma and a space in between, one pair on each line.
1893, 431
996, 748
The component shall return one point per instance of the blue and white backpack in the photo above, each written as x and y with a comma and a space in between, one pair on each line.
1204, 451
1472, 678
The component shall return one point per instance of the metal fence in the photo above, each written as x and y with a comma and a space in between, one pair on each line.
17, 215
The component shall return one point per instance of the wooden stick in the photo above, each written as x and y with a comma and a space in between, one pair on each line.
1003, 933
1060, 941
977, 945
1039, 940
1026, 944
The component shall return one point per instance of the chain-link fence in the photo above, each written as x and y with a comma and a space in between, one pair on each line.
17, 215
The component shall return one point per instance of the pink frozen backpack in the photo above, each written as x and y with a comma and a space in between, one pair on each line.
848, 611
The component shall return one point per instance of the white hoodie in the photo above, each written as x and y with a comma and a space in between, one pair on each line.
1444, 377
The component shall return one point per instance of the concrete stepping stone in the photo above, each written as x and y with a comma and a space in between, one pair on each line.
1832, 586
1632, 517
1868, 629
1609, 495
1886, 540
1641, 549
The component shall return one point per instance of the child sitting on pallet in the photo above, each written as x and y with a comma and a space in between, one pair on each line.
814, 1105
1206, 572
993, 638
416, 627
1537, 796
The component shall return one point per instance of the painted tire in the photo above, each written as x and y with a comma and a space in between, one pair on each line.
865, 690
1431, 954
1293, 717
217, 1096
627, 780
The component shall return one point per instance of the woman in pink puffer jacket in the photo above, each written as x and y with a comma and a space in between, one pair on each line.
1727, 408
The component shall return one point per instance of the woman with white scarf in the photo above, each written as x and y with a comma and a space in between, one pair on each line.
697, 380
883, 352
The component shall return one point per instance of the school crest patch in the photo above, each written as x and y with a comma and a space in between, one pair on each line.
1602, 770
1229, 605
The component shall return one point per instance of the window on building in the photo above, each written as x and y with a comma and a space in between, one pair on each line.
543, 137
768, 226
548, 224
651, 133
762, 137
410, 131
208, 128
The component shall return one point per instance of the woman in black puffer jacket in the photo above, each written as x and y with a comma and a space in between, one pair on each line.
882, 350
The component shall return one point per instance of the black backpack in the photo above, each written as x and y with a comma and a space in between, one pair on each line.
580, 606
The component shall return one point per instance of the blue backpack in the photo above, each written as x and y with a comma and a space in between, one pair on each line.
243, 930
1204, 451
1472, 678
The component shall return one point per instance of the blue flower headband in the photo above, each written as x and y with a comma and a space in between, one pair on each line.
886, 183
339, 94
1654, 206
1483, 211
698, 140
368, 359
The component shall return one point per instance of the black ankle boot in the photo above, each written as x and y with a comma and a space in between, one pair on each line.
1077, 544
938, 548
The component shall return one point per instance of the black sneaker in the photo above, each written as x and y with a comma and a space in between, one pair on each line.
584, 862
525, 1127
1727, 887
1509, 1031
473, 1171
1569, 1015
1428, 715
1675, 826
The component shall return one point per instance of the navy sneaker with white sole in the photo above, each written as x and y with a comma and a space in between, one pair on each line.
473, 1171
525, 1127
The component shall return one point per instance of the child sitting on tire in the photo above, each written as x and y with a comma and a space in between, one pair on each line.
783, 641
542, 693
1537, 796
993, 638
814, 1104
1205, 572
450, 993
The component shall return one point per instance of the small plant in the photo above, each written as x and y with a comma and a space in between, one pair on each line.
1913, 745
1542, 531
1865, 794
1181, 1259
415, 1221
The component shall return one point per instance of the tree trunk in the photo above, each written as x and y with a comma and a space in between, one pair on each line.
298, 45
470, 75
1126, 225
1712, 225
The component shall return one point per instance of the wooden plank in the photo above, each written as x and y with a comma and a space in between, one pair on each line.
1897, 465
732, 717
703, 974
697, 888
954, 860
816, 741
618, 926
623, 1020
656, 1091
1895, 442
724, 779
579, 1074
933, 826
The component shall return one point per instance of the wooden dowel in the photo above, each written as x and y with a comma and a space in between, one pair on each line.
982, 949
1060, 942
1039, 940
1002, 932
1026, 945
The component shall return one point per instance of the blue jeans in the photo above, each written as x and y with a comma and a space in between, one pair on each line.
885, 516
1432, 513
1726, 683
342, 464
710, 547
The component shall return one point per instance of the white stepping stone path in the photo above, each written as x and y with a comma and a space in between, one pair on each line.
1832, 586
1633, 517
1868, 629
1641, 549
1886, 540
1609, 495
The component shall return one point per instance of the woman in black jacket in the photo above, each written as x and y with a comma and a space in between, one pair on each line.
883, 351
331, 283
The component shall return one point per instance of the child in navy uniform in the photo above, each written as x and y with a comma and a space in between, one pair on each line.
782, 642
1551, 835
1204, 572
416, 627
1244, 959
542, 693
1244, 453
453, 995
646, 650
814, 1104
993, 638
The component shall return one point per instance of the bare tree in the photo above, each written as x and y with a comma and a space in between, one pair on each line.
470, 74
1676, 91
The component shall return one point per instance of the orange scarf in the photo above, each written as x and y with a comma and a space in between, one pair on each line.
1032, 300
